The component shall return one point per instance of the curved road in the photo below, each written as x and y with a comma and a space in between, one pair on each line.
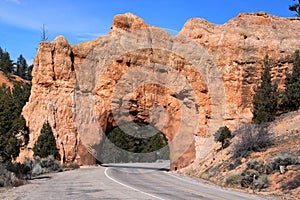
122, 181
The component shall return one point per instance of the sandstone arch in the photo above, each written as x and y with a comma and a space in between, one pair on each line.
173, 77
61, 74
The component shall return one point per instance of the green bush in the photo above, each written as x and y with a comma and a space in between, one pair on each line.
21, 171
257, 165
248, 177
261, 182
223, 135
233, 179
72, 165
254, 176
50, 164
283, 160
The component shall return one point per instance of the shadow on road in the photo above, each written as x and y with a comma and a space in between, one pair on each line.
41, 177
128, 166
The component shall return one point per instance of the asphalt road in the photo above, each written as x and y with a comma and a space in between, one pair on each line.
121, 181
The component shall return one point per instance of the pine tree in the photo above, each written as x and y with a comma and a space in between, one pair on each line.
295, 8
29, 73
6, 64
46, 143
7, 109
291, 94
9, 144
265, 101
20, 95
222, 135
21, 67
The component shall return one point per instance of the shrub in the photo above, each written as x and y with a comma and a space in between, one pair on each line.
292, 184
236, 162
50, 164
5, 176
223, 135
251, 137
254, 176
43, 165
257, 165
72, 165
283, 160
20, 170
10, 175
261, 182
248, 177
233, 179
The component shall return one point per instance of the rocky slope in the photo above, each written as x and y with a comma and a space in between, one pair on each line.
187, 86
9, 80
217, 166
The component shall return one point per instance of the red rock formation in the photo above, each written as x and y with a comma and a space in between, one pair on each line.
187, 86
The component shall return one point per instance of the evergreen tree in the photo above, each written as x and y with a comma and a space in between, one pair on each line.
46, 143
21, 67
29, 73
9, 144
19, 128
1, 54
291, 95
7, 109
20, 95
142, 139
6, 64
222, 135
295, 7
265, 101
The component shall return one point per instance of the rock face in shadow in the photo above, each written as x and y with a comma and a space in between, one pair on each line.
187, 86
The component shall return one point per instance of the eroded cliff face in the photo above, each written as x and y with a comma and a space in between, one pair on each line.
186, 86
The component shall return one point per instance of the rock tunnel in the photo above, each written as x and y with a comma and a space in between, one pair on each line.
150, 77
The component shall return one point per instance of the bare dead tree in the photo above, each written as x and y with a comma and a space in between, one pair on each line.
44, 32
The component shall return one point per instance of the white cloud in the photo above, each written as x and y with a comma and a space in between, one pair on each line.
171, 31
88, 36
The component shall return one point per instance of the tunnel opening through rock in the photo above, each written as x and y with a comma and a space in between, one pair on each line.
134, 142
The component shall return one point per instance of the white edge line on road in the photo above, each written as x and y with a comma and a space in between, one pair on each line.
207, 185
105, 172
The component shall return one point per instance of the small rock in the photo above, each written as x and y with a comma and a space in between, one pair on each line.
282, 169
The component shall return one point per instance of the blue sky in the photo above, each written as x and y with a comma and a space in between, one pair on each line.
81, 20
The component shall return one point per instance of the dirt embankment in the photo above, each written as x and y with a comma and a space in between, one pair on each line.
219, 165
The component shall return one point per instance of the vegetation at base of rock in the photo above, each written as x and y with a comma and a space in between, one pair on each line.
284, 160
251, 138
8, 178
265, 100
291, 94
223, 135
46, 143
256, 173
134, 142
13, 130
72, 165
233, 179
